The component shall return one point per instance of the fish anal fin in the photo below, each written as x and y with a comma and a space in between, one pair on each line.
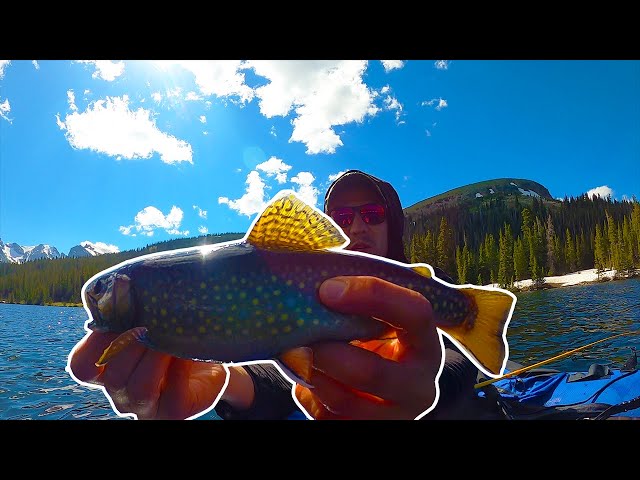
288, 223
484, 336
120, 343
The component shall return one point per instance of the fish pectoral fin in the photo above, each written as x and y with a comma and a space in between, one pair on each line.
120, 343
297, 364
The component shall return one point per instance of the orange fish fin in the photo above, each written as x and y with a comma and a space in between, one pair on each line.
297, 363
120, 343
290, 224
484, 336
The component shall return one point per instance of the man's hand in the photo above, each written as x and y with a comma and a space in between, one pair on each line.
391, 378
146, 383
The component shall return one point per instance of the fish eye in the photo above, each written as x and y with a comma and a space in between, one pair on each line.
98, 286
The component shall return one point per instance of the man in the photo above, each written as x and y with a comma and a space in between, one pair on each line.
391, 379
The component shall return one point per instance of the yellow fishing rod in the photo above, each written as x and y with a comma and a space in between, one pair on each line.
544, 362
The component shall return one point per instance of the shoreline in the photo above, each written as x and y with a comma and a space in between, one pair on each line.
581, 277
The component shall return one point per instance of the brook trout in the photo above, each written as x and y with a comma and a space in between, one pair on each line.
256, 298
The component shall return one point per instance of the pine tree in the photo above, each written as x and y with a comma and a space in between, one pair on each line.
520, 260
551, 258
445, 248
635, 234
600, 253
570, 252
505, 257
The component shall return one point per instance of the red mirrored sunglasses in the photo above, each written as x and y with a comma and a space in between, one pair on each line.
371, 214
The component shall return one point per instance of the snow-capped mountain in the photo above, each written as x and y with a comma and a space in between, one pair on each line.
14, 253
90, 249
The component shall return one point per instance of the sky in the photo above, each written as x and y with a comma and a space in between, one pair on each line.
127, 153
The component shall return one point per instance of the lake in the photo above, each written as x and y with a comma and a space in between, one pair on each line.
35, 342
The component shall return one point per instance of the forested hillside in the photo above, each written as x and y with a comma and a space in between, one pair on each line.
498, 231
60, 280
505, 238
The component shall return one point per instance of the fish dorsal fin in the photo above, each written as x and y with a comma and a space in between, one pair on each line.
422, 270
290, 224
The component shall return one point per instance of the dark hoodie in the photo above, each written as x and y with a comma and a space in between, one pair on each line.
273, 398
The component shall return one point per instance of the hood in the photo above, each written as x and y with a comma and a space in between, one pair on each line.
395, 214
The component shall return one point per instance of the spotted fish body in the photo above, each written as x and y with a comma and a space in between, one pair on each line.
257, 298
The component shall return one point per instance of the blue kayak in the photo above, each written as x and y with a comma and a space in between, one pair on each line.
599, 393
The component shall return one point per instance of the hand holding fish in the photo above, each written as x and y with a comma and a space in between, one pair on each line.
148, 383
378, 379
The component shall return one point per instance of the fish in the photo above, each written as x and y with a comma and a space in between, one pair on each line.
256, 299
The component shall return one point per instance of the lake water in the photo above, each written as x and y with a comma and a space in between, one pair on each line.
35, 342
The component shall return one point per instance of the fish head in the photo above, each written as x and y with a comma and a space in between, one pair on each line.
109, 298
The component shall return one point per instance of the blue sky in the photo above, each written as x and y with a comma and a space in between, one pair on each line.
129, 153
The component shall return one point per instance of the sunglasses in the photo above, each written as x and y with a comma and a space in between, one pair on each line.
371, 214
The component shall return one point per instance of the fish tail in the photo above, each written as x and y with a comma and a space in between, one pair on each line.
484, 335
120, 343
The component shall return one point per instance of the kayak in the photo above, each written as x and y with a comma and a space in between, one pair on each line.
599, 393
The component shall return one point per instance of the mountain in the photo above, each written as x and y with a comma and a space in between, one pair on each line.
475, 209
479, 193
89, 249
14, 253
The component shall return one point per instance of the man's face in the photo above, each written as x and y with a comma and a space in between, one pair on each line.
365, 237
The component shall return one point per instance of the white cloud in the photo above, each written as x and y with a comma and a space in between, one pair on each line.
274, 167
71, 100
150, 218
322, 94
333, 177
316, 95
306, 190
5, 108
439, 102
175, 92
216, 77
203, 230
3, 65
203, 119
105, 69
36, 65
392, 103
391, 64
201, 213
157, 97
602, 192
442, 64
109, 126
253, 200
